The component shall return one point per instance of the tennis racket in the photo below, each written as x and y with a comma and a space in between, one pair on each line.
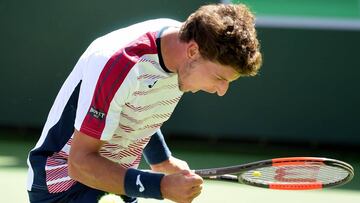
293, 173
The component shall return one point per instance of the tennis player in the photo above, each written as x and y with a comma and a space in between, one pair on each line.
123, 88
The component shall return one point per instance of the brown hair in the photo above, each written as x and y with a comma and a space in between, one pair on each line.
225, 33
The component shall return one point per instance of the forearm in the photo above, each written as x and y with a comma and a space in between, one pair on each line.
156, 151
170, 166
98, 172
158, 156
102, 174
87, 166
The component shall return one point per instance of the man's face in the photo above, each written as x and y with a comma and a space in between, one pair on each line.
200, 74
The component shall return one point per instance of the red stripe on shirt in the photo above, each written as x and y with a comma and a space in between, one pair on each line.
110, 80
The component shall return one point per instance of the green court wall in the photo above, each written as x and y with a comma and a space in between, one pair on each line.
307, 89
42, 40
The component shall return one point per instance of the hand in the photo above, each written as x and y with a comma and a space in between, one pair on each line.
170, 166
181, 187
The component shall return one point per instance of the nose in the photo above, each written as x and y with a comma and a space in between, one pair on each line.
222, 88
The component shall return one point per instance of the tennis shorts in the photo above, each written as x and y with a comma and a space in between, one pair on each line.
78, 193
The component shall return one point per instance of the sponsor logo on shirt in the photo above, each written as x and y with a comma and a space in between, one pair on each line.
152, 85
96, 113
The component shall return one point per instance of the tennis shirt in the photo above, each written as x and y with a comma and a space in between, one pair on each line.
119, 91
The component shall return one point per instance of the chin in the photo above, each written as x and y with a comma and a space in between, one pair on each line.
181, 88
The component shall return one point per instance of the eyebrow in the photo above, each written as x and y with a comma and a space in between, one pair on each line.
237, 76
234, 77
229, 80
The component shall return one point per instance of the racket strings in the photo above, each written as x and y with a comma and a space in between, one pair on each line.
304, 174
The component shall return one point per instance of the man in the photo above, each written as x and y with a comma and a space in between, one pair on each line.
123, 88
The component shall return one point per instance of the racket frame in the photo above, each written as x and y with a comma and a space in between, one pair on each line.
233, 173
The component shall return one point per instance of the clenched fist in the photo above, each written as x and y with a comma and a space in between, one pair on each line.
181, 187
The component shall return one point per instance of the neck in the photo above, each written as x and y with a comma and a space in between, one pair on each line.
172, 49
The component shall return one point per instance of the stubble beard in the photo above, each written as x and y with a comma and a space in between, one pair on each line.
182, 75
181, 84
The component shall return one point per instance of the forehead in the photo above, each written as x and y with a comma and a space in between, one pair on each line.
225, 72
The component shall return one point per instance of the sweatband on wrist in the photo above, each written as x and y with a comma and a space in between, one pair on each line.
143, 184
156, 151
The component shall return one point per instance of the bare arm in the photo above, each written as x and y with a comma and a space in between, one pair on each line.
87, 166
170, 166
157, 154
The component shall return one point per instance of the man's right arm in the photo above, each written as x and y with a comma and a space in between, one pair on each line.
87, 166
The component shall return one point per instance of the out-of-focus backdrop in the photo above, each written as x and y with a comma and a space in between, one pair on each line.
307, 90
305, 96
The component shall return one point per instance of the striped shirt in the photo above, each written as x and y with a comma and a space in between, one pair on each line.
118, 92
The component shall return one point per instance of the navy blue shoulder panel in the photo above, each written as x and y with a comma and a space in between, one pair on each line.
55, 140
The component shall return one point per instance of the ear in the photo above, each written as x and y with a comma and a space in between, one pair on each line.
192, 50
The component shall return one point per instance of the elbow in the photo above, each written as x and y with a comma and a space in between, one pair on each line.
73, 168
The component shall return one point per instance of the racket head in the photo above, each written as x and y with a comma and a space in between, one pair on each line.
297, 173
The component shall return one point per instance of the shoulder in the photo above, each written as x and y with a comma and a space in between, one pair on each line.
161, 22
131, 32
122, 37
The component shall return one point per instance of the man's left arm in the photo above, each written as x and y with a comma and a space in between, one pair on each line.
157, 154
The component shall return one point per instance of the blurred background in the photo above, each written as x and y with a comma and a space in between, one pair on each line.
305, 100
